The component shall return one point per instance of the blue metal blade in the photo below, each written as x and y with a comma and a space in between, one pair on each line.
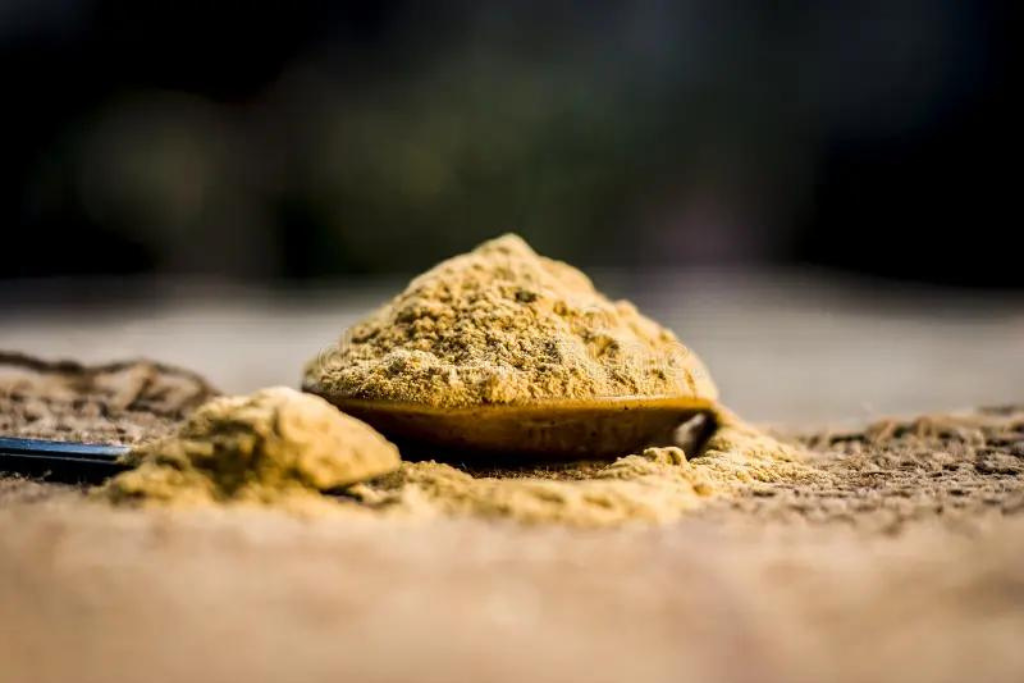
45, 449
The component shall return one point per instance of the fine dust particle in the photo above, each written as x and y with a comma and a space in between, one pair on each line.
502, 325
277, 446
656, 486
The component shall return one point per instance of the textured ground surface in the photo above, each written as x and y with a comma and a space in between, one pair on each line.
905, 562
116, 403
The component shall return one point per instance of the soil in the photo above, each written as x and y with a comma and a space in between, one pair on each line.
116, 403
902, 562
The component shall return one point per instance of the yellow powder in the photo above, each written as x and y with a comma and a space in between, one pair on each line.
498, 326
284, 449
656, 486
275, 445
502, 325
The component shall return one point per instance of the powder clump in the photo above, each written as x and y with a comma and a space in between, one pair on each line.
272, 447
502, 325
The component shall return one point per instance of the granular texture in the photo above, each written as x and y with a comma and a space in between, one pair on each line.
899, 560
659, 485
282, 448
275, 446
961, 470
124, 403
502, 325
285, 449
803, 585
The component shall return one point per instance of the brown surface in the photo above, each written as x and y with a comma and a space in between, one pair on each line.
112, 403
957, 471
903, 563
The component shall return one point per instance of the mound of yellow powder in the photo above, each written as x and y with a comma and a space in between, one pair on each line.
273, 445
502, 325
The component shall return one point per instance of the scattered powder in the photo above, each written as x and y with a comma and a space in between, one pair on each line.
656, 486
284, 449
502, 325
277, 446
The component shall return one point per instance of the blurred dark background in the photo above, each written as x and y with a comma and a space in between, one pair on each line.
307, 139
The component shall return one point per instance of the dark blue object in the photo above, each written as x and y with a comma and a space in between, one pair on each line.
60, 460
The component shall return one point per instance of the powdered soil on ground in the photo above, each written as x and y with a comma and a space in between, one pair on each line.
902, 561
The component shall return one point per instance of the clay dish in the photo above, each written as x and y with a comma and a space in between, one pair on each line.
502, 350
557, 429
